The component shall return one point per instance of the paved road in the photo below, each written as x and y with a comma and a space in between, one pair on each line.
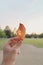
30, 55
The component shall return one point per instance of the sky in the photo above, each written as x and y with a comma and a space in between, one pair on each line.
28, 12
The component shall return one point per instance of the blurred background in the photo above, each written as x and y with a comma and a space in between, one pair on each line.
30, 13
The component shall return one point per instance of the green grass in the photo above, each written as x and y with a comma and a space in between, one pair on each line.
36, 42
2, 42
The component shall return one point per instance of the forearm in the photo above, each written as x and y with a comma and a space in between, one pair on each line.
7, 63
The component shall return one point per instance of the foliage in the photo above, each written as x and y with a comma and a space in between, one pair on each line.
7, 31
28, 36
34, 35
2, 33
41, 35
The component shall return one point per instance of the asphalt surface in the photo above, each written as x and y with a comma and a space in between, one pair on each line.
30, 55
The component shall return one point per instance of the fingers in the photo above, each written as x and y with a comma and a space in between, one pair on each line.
19, 44
15, 41
13, 44
12, 50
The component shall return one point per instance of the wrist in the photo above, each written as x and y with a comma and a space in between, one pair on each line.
7, 63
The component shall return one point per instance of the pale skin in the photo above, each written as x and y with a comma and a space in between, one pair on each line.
10, 53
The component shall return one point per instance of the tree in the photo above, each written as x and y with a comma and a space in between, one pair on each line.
13, 35
34, 35
41, 35
28, 36
7, 31
2, 33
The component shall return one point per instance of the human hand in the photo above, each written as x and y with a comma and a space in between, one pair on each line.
10, 53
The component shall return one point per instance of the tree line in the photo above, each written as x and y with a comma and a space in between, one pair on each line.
7, 33
34, 35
